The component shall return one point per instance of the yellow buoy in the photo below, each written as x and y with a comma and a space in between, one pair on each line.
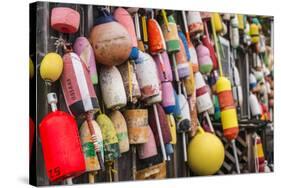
205, 153
172, 125
241, 23
31, 69
51, 67
218, 22
254, 33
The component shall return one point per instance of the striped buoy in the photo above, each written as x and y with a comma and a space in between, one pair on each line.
137, 122
112, 88
110, 40
77, 87
124, 18
110, 140
84, 50
51, 67
194, 23
204, 59
203, 99
120, 125
182, 62
254, 33
170, 32
147, 149
259, 154
164, 69
65, 20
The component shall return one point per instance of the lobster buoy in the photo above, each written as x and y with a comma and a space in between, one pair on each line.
125, 19
149, 148
252, 81
183, 123
234, 32
112, 88
204, 59
254, 105
203, 99
31, 69
168, 98
84, 50
51, 67
171, 37
194, 23
173, 128
164, 70
205, 153
254, 33
213, 56
182, 63
110, 140
111, 42
137, 122
185, 44
218, 22
120, 125
147, 76
62, 154
77, 87
65, 20
155, 37
228, 110
130, 82
163, 123
241, 24
260, 160
91, 159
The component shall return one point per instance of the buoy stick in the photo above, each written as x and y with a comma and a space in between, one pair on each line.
159, 132
184, 20
69, 181
134, 166
165, 19
130, 82
209, 121
91, 177
235, 156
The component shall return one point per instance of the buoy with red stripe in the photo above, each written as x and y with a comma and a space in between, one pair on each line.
84, 50
79, 93
259, 154
120, 125
124, 18
254, 106
110, 40
194, 21
204, 59
234, 32
130, 82
148, 149
91, 159
62, 154
51, 67
65, 20
112, 88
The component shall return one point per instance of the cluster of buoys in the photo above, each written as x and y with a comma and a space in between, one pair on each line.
154, 80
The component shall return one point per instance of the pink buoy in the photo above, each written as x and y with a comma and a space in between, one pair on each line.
148, 149
65, 20
204, 59
168, 97
164, 70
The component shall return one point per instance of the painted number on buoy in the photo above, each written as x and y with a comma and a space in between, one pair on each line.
54, 172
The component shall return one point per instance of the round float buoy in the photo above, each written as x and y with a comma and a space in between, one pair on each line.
204, 59
124, 18
62, 154
51, 67
112, 88
91, 159
65, 20
148, 149
110, 140
84, 50
120, 125
137, 122
194, 23
77, 87
203, 99
111, 42
205, 153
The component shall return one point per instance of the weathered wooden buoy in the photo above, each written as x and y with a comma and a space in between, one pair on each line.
65, 20
170, 33
110, 140
254, 105
204, 59
130, 82
148, 149
194, 22
203, 99
62, 154
84, 50
164, 68
254, 33
112, 88
155, 37
234, 32
77, 87
120, 125
51, 67
91, 159
147, 76
205, 153
137, 122
111, 42
125, 19
182, 62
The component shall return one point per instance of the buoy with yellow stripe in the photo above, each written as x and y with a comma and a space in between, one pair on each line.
254, 33
259, 154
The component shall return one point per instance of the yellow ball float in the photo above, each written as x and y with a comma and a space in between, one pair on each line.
205, 153
51, 67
